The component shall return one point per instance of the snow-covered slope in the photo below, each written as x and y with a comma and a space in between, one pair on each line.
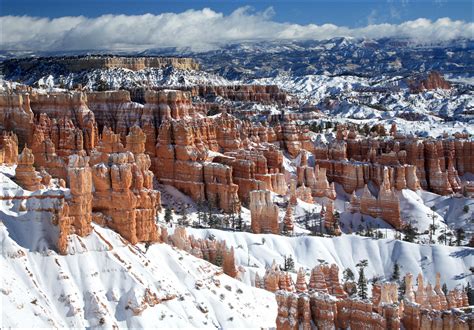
105, 281
117, 78
346, 251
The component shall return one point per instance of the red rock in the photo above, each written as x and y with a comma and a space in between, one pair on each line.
25, 174
288, 220
229, 263
16, 115
301, 281
264, 214
8, 148
434, 80
64, 224
79, 176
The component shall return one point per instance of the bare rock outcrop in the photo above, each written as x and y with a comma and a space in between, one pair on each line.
431, 81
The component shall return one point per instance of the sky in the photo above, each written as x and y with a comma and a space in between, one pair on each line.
199, 24
340, 12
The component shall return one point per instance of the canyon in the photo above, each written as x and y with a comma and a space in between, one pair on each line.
155, 170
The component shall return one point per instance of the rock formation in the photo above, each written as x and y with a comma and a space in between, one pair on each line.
385, 206
433, 80
264, 214
16, 115
328, 307
25, 174
79, 176
288, 220
72, 108
8, 148
331, 222
213, 251
124, 188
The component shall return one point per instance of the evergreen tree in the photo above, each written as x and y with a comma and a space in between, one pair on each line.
432, 227
401, 289
470, 294
460, 236
410, 233
168, 215
147, 246
212, 221
183, 220
307, 219
239, 222
200, 214
289, 264
396, 272
362, 282
444, 288
348, 275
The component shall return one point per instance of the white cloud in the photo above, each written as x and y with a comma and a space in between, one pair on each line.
198, 29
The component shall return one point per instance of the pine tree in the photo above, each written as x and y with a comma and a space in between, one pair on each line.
401, 289
362, 282
348, 275
168, 215
460, 236
199, 214
289, 264
212, 221
470, 294
410, 233
307, 219
432, 227
183, 220
239, 222
444, 288
396, 272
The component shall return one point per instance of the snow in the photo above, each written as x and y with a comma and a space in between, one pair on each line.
117, 78
346, 251
357, 100
105, 281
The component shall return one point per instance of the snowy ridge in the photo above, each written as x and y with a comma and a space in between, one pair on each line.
118, 78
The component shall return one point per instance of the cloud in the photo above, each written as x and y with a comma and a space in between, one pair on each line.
198, 29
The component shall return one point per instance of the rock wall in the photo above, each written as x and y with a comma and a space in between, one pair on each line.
437, 163
386, 205
16, 115
68, 106
82, 63
264, 94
